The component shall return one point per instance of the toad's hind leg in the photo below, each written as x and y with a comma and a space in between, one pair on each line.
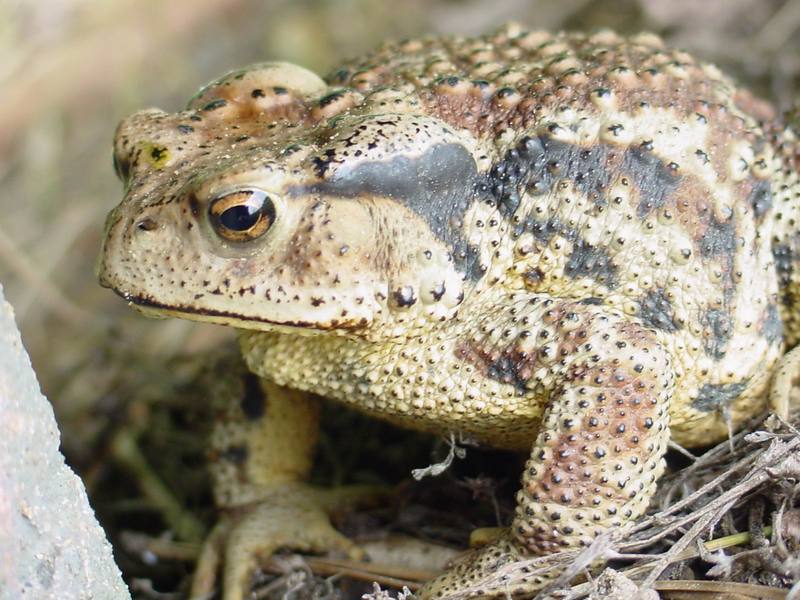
594, 463
261, 453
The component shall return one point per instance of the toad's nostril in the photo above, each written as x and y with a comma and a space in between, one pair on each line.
146, 224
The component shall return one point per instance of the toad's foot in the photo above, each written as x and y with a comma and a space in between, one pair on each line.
493, 571
294, 516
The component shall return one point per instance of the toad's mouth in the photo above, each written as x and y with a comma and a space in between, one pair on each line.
152, 308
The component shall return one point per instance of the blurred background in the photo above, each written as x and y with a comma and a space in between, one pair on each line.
71, 69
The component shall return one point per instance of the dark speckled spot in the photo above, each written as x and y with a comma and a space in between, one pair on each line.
717, 397
158, 153
254, 401
545, 230
654, 179
509, 177
760, 198
719, 242
591, 261
585, 261
511, 367
655, 310
772, 326
784, 262
534, 275
507, 370
718, 329
215, 104
785, 256
404, 297
719, 239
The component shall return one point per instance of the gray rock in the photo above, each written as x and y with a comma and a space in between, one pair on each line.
51, 546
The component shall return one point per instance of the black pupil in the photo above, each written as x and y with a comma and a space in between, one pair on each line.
241, 217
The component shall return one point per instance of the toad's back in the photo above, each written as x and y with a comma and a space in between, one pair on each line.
628, 175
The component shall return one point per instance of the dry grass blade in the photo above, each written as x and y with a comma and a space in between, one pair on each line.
718, 589
701, 524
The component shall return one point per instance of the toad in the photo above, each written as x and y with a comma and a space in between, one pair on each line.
576, 245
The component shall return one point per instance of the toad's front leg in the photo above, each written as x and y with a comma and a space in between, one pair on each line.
261, 453
598, 453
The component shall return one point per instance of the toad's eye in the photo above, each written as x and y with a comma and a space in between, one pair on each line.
242, 215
